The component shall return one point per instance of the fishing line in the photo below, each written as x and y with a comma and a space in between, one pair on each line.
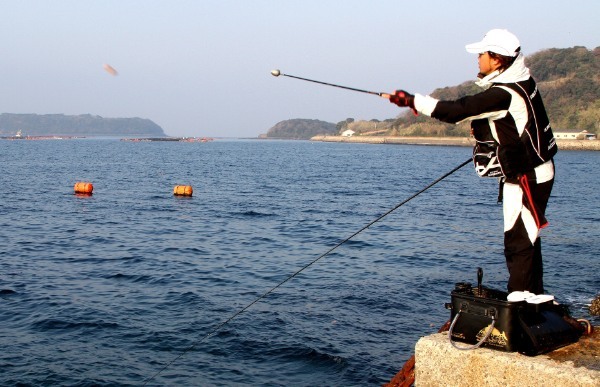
218, 327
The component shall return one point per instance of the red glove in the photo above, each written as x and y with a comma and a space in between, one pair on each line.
403, 99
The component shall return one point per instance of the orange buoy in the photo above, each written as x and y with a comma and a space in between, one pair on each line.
183, 190
83, 188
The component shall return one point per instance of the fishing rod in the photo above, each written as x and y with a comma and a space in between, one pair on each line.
277, 73
225, 322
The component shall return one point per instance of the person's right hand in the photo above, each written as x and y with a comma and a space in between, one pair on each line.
403, 99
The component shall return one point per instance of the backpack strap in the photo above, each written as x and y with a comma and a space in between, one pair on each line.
538, 129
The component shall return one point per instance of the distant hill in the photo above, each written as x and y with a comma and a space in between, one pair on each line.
80, 125
301, 129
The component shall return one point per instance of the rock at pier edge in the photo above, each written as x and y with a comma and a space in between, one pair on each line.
440, 364
595, 306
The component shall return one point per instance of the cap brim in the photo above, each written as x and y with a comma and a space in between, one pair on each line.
475, 48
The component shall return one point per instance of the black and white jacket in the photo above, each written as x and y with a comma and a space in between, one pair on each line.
508, 120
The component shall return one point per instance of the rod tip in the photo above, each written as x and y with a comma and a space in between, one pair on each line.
275, 73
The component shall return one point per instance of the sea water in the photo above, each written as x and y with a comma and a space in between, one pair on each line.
242, 283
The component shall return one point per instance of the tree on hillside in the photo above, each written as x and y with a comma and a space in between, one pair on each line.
343, 125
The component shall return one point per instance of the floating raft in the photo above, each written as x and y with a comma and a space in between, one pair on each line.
169, 139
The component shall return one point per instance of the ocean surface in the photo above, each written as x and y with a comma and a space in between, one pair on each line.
134, 286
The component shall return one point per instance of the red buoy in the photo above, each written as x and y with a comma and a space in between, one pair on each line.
183, 190
83, 187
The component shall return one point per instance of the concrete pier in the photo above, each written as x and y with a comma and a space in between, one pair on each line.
591, 145
438, 363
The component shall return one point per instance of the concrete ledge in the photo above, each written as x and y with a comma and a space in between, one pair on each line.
593, 145
438, 363
451, 141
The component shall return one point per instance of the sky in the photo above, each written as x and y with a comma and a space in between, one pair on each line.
203, 67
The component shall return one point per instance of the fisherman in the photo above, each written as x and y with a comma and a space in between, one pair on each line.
513, 141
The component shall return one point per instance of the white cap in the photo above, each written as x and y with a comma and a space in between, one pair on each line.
499, 41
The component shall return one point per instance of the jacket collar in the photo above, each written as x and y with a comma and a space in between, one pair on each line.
517, 72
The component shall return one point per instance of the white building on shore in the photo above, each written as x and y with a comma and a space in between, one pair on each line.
574, 135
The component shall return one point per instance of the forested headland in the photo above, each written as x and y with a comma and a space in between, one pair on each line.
569, 80
79, 125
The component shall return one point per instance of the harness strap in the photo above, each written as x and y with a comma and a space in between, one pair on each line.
540, 220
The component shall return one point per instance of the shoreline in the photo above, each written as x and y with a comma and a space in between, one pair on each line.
590, 145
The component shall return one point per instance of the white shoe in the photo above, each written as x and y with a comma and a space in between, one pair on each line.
540, 299
519, 296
